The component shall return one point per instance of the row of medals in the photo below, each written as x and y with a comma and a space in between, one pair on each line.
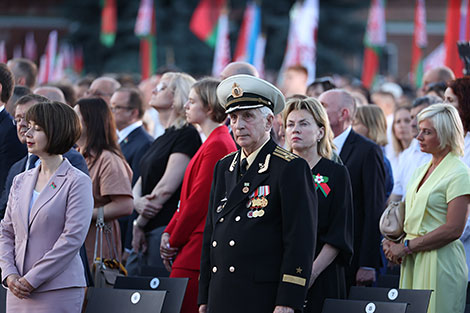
256, 206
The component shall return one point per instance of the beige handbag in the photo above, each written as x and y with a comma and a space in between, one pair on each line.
392, 220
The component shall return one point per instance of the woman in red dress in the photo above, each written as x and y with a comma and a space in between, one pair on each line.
181, 242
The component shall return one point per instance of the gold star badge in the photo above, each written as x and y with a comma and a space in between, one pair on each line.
298, 270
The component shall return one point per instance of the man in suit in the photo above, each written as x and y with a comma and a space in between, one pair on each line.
128, 109
260, 231
11, 149
364, 160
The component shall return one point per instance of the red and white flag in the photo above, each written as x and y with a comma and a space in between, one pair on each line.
3, 52
30, 47
143, 25
222, 46
301, 45
17, 52
42, 78
420, 41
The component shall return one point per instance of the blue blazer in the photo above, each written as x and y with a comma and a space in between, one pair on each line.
11, 149
134, 147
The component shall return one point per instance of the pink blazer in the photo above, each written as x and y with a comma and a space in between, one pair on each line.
43, 246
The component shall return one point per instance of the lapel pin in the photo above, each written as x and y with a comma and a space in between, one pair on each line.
53, 185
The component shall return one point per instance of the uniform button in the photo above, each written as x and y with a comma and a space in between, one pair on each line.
237, 219
231, 269
214, 243
214, 269
231, 243
221, 219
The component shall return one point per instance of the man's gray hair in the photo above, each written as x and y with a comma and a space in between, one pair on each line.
265, 111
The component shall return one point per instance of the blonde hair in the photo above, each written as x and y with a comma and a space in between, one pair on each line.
180, 84
397, 145
445, 119
313, 106
373, 117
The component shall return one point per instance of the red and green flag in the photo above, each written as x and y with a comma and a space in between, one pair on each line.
108, 22
146, 29
457, 29
204, 20
420, 41
374, 41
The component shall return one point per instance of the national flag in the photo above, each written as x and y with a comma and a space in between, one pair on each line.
435, 58
3, 52
260, 50
145, 28
420, 41
108, 22
222, 46
78, 60
17, 52
204, 20
42, 78
301, 44
457, 29
249, 32
374, 41
50, 55
30, 47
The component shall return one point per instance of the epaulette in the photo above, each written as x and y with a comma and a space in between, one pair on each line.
231, 153
284, 154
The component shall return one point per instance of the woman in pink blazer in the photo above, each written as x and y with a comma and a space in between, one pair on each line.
47, 219
181, 242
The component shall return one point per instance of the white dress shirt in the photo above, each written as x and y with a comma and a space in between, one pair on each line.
341, 139
122, 134
410, 159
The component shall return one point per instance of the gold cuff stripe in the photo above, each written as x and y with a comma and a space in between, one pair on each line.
294, 280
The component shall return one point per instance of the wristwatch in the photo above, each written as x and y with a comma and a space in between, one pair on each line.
407, 247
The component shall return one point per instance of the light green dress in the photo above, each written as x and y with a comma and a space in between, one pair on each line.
443, 270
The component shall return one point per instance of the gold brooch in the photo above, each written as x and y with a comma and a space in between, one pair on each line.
237, 92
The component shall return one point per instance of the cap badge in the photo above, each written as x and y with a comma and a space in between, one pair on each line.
236, 91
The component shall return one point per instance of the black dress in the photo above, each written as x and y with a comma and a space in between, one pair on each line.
335, 227
153, 164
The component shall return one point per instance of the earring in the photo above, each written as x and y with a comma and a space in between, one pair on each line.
318, 140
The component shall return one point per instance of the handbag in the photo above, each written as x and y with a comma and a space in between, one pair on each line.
392, 221
105, 271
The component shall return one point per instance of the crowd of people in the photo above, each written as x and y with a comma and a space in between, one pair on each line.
268, 199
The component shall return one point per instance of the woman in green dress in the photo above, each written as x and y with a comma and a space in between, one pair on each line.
432, 256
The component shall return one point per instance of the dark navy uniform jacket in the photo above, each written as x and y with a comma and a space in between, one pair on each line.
260, 234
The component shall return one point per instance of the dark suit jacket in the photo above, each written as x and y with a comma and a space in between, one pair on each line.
134, 147
11, 149
364, 161
251, 264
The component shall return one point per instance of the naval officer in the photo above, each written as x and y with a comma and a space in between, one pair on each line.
260, 232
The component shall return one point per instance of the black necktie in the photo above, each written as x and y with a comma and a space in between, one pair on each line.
32, 161
243, 167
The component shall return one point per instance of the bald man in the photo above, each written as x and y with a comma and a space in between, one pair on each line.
236, 68
103, 87
364, 161
50, 92
435, 75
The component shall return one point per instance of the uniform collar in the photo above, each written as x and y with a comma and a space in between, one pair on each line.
251, 158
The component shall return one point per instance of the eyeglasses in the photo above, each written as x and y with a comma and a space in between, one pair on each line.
18, 120
120, 107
